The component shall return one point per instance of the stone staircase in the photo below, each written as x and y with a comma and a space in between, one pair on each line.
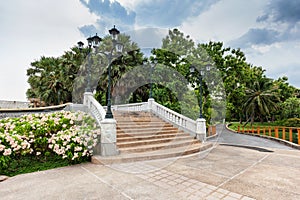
143, 136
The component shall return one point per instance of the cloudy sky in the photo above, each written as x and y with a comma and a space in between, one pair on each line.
268, 31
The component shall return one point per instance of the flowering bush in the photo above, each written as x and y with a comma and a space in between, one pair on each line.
70, 135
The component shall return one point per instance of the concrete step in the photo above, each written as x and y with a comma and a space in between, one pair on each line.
140, 143
157, 146
164, 153
137, 133
142, 125
137, 120
148, 137
146, 129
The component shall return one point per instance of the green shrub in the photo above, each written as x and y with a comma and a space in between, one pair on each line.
66, 135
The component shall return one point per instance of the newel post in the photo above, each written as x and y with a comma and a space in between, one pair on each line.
150, 104
85, 98
201, 129
109, 137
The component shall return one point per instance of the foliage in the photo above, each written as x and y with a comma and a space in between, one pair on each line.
121, 64
70, 136
292, 122
51, 79
290, 108
261, 99
250, 95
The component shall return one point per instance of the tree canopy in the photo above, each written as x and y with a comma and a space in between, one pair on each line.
248, 94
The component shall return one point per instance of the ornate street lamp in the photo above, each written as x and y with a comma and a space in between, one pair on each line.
92, 41
152, 65
200, 76
119, 47
95, 42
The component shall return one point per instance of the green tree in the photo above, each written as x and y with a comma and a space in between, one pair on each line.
261, 100
121, 64
291, 108
51, 79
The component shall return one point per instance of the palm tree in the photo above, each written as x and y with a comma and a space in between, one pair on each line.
261, 99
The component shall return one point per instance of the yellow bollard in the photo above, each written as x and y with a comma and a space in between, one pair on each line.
298, 135
276, 132
291, 134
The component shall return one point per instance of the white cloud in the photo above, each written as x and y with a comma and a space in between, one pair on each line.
224, 21
265, 48
31, 29
279, 59
228, 20
129, 4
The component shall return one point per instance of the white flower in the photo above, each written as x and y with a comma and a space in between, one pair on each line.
17, 148
38, 153
7, 152
2, 147
84, 153
78, 148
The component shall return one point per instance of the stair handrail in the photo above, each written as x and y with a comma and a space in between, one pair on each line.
182, 122
143, 106
94, 107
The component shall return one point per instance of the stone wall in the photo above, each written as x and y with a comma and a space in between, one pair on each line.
17, 112
13, 104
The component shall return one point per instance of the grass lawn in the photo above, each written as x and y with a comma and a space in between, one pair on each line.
31, 163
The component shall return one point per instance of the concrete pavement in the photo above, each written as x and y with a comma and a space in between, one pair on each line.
223, 172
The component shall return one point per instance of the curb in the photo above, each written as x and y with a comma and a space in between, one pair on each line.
3, 178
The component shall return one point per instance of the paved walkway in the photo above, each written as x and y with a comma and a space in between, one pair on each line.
228, 137
223, 172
